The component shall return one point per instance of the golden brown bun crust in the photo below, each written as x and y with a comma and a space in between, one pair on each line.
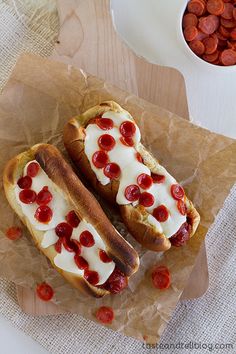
135, 218
83, 203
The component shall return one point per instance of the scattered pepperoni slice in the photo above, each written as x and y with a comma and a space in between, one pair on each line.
181, 236
105, 314
44, 196
228, 57
91, 276
190, 20
64, 230
210, 44
228, 11
27, 196
215, 7
127, 129
161, 277
33, 169
146, 199
104, 257
104, 123
208, 24
127, 141
116, 282
177, 191
158, 178
80, 262
58, 245
144, 181
196, 7
14, 233
139, 157
181, 207
197, 47
44, 291
112, 170
43, 214
132, 193
72, 219
86, 239
161, 213
24, 182
106, 142
100, 159
190, 33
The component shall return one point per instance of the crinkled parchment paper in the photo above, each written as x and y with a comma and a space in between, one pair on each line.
37, 101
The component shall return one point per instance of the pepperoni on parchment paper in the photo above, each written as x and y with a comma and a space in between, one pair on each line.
105, 314
161, 277
44, 291
14, 233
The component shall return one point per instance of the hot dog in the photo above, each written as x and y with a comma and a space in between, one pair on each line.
104, 143
66, 222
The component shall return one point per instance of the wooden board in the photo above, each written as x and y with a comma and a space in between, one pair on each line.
88, 40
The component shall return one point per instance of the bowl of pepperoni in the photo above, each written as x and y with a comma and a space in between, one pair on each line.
209, 31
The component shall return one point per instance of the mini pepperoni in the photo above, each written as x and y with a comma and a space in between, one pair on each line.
228, 12
228, 57
139, 157
196, 7
27, 196
161, 277
161, 213
201, 35
215, 7
64, 230
112, 170
44, 196
197, 47
224, 32
233, 34
106, 142
208, 24
33, 169
14, 233
104, 257
44, 291
24, 182
72, 219
132, 193
127, 129
228, 23
43, 214
146, 199
181, 236
86, 239
104, 123
127, 141
80, 262
190, 33
91, 276
68, 244
181, 207
58, 245
190, 20
105, 314
116, 282
210, 44
144, 181
158, 178
100, 159
211, 57
177, 191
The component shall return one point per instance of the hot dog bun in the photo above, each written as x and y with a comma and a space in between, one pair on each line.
83, 203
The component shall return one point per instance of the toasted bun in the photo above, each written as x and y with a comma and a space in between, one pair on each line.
84, 204
135, 218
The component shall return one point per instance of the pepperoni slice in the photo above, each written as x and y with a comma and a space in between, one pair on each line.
105, 314
43, 214
190, 20
177, 191
91, 276
72, 219
208, 24
44, 291
27, 196
190, 33
106, 142
58, 245
44, 196
77, 246
116, 282
127, 141
197, 47
64, 230
201, 36
158, 178
33, 169
196, 7
224, 32
146, 199
104, 257
14, 233
144, 181
181, 236
24, 182
104, 123
86, 239
161, 213
139, 157
161, 277
127, 129
228, 23
80, 262
100, 159
68, 244
181, 207
233, 34
215, 7
210, 44
112, 170
211, 58
228, 57
228, 11
132, 193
